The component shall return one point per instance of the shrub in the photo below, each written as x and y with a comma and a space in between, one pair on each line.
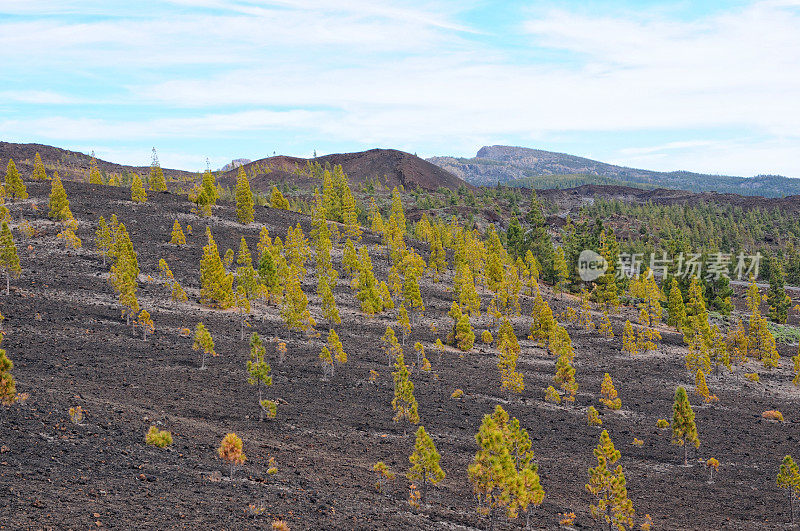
487, 338
752, 376
566, 518
713, 465
384, 475
637, 442
773, 414
76, 414
457, 394
270, 408
160, 438
662, 424
280, 525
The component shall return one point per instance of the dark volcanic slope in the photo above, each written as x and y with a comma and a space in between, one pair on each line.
494, 164
388, 166
70, 347
71, 165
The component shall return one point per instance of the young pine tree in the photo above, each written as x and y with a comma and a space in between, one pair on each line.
675, 308
231, 451
608, 487
157, 182
609, 394
138, 193
629, 343
9, 260
789, 479
39, 172
276, 199
177, 237
15, 187
404, 404
503, 475
59, 204
244, 198
258, 370
684, 430
145, 322
103, 239
216, 286
8, 389
425, 462
203, 342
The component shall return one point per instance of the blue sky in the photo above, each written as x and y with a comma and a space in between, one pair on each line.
706, 86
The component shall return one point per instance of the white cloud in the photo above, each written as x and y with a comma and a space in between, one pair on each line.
370, 72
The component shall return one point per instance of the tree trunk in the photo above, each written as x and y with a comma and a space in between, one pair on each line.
685, 454
8, 284
203, 361
260, 407
144, 333
791, 504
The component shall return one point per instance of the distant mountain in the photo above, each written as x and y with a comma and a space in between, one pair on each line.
535, 168
388, 166
235, 163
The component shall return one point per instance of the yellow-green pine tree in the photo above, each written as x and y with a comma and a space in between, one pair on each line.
684, 429
608, 487
9, 259
244, 198
216, 286
15, 187
39, 172
157, 182
404, 404
204, 343
59, 204
138, 193
177, 237
425, 462
8, 389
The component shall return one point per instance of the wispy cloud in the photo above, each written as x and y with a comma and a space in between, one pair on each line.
413, 75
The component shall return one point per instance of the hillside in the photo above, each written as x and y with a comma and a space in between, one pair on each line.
502, 164
390, 167
70, 347
72, 165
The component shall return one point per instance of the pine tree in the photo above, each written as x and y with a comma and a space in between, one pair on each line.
157, 182
629, 343
216, 286
59, 204
336, 347
609, 394
411, 292
510, 379
103, 239
230, 451
608, 487
404, 404
138, 193
779, 302
425, 462
39, 172
125, 272
543, 323
503, 474
606, 292
561, 270
9, 260
244, 198
258, 370
203, 342
276, 199
701, 387
465, 292
675, 308
326, 359
565, 377
605, 328
177, 237
8, 389
796, 368
95, 177
593, 417
684, 430
367, 286
789, 479
15, 187
146, 323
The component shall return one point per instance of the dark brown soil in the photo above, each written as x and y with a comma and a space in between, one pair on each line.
71, 347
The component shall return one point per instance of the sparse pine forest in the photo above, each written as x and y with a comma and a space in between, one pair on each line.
349, 355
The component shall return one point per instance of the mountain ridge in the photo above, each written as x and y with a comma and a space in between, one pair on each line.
520, 166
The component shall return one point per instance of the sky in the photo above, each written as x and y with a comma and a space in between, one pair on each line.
708, 86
